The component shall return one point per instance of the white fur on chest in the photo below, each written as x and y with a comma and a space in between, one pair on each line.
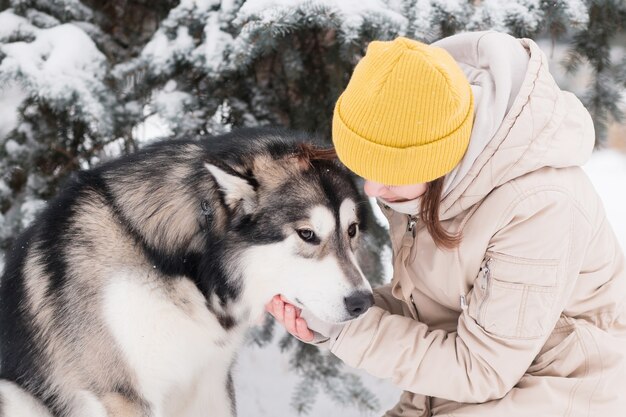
173, 344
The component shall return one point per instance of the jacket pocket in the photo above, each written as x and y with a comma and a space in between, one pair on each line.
514, 297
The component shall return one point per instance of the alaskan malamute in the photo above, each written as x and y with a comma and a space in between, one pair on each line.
131, 292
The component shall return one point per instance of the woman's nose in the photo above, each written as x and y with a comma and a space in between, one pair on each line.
373, 189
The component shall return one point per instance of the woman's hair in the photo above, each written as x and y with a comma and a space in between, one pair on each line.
429, 214
429, 207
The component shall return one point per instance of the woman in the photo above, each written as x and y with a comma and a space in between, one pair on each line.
509, 290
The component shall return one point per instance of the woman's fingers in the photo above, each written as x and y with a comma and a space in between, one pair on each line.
289, 316
279, 309
303, 331
290, 319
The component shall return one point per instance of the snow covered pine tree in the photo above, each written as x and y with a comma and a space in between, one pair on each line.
82, 81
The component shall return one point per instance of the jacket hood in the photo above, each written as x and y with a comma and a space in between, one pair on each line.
544, 126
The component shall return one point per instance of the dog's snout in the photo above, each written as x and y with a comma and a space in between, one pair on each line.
358, 303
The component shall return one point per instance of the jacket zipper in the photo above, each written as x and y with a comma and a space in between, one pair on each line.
411, 230
411, 223
484, 285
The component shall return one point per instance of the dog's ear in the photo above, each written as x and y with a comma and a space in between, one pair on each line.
238, 192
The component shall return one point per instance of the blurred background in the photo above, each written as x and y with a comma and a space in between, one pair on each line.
82, 81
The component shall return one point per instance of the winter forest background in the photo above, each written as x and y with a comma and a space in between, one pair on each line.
82, 81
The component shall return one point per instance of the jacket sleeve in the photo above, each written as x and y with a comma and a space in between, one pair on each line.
410, 405
324, 333
535, 255
385, 300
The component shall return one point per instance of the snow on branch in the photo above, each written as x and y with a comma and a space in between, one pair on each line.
60, 66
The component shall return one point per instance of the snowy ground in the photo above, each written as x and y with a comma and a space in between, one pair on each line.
264, 384
607, 170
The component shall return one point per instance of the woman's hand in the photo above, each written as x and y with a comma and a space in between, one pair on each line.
289, 316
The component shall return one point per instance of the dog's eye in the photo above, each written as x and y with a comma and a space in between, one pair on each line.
307, 235
352, 229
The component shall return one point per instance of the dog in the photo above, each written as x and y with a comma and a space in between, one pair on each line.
131, 292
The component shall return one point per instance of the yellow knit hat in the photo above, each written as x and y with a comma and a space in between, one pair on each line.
406, 115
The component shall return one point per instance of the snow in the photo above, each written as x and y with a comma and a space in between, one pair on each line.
14, 148
172, 42
63, 51
607, 171
497, 14
421, 17
63, 66
351, 13
451, 6
264, 387
11, 96
40, 19
211, 51
576, 11
12, 25
352, 9
200, 5
29, 210
162, 52
170, 102
153, 127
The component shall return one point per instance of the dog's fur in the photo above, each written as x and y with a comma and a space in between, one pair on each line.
131, 292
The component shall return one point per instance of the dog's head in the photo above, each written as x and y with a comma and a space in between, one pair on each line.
297, 218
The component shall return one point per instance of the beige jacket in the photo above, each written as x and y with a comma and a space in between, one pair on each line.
527, 317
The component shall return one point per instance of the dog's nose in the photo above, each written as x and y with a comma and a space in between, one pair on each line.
358, 303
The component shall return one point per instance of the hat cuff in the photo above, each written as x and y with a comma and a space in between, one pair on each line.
400, 166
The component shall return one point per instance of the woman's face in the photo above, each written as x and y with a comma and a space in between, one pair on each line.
394, 193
